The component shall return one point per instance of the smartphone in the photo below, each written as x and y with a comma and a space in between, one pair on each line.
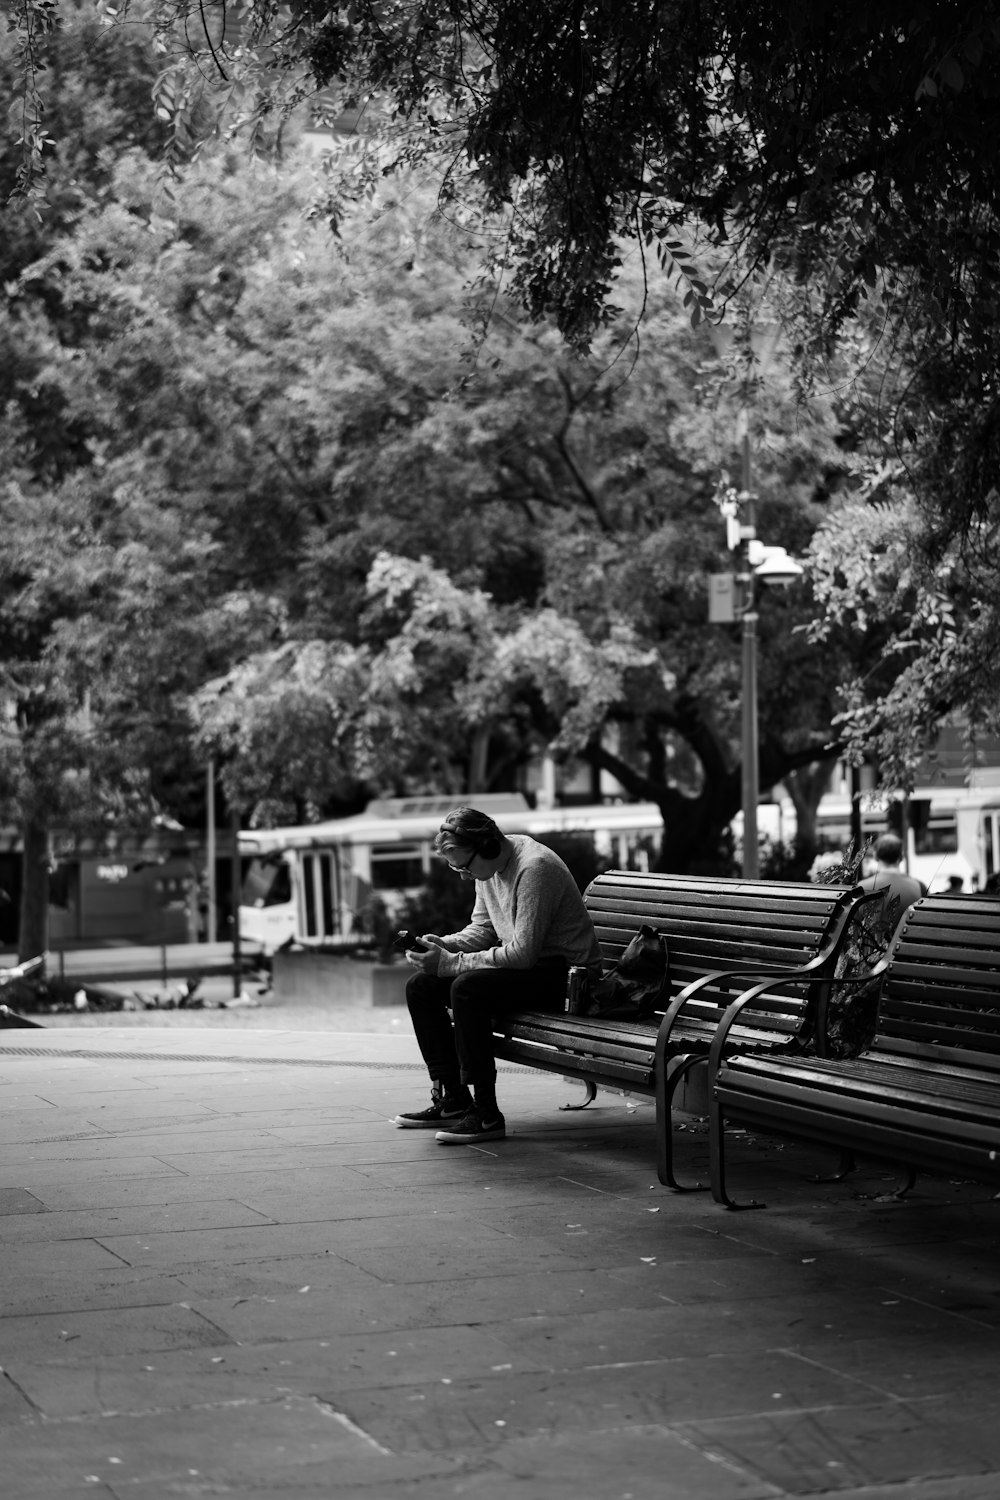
405, 940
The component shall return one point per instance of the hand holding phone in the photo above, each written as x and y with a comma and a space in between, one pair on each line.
406, 941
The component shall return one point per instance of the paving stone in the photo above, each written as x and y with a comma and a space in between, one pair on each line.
639, 1462
252, 1446
42, 1174
31, 1292
349, 1240
141, 1220
959, 1363
83, 1191
370, 1156
742, 1278
507, 1257
15, 1405
81, 1258
78, 1337
14, 1200
176, 1378
960, 1487
165, 1144
596, 1398
485, 1299
804, 1453
362, 1197
793, 1323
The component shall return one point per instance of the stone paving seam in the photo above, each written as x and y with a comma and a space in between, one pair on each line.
82, 1053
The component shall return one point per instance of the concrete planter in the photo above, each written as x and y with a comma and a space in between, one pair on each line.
302, 975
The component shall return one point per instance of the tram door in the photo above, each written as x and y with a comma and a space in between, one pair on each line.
319, 895
989, 835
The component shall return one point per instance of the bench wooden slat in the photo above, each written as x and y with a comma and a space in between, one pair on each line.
905, 1052
738, 917
945, 970
973, 1099
978, 924
692, 891
896, 1141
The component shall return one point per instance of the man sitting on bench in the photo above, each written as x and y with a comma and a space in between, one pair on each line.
528, 926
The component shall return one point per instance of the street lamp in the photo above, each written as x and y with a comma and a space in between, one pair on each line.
767, 565
757, 564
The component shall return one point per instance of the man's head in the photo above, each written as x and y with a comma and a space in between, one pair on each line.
889, 849
470, 841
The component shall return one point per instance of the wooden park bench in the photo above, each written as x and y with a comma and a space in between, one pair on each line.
720, 935
924, 1094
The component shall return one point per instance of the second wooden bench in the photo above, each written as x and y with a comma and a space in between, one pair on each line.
925, 1094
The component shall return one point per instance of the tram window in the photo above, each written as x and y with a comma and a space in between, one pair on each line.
937, 836
267, 883
396, 866
326, 881
309, 894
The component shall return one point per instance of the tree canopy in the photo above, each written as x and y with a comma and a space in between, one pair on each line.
845, 148
416, 534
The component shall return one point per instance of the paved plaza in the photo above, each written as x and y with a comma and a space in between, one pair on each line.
224, 1274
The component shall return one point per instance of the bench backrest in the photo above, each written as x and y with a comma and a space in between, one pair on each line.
713, 923
941, 992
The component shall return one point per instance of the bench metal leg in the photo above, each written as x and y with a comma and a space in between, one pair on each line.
666, 1087
591, 1088
717, 1155
911, 1177
848, 1163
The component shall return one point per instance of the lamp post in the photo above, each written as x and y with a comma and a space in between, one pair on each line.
757, 563
749, 744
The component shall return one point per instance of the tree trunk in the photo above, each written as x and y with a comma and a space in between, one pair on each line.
695, 827
479, 760
806, 787
33, 933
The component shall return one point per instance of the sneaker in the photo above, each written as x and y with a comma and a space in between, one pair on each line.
442, 1109
472, 1128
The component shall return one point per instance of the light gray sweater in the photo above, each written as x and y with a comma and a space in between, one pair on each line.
530, 909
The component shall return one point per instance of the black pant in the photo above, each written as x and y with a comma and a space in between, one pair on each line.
459, 1048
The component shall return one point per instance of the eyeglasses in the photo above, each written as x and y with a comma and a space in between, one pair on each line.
462, 869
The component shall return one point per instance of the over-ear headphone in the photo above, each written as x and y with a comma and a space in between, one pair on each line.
483, 837
487, 844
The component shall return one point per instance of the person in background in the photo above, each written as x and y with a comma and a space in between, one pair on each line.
529, 924
889, 853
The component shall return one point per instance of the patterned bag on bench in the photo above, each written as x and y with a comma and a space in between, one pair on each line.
634, 988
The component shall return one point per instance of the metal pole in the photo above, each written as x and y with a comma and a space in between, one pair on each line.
856, 807
211, 915
751, 776
237, 888
749, 748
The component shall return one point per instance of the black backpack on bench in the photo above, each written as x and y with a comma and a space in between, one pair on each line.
633, 989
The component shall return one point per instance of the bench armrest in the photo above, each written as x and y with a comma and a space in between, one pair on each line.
770, 978
732, 1012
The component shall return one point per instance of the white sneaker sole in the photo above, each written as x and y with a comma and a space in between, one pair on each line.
451, 1138
403, 1124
